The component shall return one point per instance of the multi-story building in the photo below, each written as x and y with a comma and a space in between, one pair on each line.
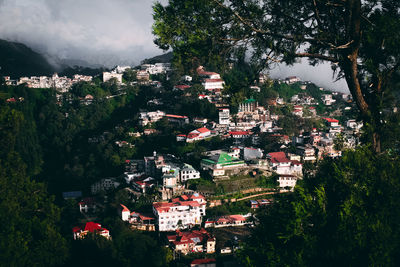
188, 173
111, 75
90, 227
180, 213
150, 117
192, 241
219, 162
249, 105
104, 185
224, 116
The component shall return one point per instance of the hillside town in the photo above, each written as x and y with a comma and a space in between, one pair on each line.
258, 156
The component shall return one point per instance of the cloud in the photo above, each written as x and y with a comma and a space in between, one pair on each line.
321, 75
98, 31
105, 32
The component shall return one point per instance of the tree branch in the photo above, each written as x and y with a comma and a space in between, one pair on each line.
317, 56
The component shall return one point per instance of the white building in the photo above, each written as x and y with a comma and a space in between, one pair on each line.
287, 181
104, 185
188, 173
213, 84
327, 99
110, 75
224, 116
150, 117
198, 134
181, 213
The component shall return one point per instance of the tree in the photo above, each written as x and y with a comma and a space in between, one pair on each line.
347, 214
359, 39
28, 216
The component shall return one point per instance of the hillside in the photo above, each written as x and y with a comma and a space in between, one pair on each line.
18, 60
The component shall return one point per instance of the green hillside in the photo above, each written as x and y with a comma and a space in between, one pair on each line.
18, 60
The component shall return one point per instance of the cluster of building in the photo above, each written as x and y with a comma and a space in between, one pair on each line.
169, 173
62, 84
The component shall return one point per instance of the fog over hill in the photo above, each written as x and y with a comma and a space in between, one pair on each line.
103, 33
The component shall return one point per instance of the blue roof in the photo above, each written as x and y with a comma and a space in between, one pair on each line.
72, 194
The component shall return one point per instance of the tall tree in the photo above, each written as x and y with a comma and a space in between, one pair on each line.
345, 215
359, 39
28, 217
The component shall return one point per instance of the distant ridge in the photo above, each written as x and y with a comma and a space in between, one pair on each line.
164, 58
17, 60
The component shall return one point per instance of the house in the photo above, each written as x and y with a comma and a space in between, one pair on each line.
287, 180
87, 205
143, 186
213, 84
150, 131
255, 204
249, 105
332, 122
181, 138
150, 117
194, 241
282, 165
137, 220
250, 153
307, 152
110, 75
198, 134
183, 212
313, 111
239, 134
298, 112
178, 119
104, 185
223, 116
219, 162
203, 263
142, 75
327, 99
181, 87
226, 221
292, 79
188, 173
90, 227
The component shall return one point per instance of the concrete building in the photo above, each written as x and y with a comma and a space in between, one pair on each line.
181, 213
249, 105
224, 116
110, 75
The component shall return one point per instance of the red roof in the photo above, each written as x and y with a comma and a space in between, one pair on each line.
239, 133
202, 261
331, 120
92, 226
202, 130
176, 116
237, 217
277, 157
213, 80
182, 86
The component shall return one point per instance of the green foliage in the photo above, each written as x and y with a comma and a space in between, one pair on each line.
28, 236
267, 182
342, 216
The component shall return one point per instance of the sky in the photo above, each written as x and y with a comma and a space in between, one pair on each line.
105, 32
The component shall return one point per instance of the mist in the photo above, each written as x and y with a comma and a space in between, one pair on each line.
321, 75
106, 33
101, 32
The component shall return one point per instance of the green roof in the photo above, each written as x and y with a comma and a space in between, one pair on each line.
224, 158
250, 100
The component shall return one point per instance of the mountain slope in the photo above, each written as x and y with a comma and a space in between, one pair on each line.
18, 60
